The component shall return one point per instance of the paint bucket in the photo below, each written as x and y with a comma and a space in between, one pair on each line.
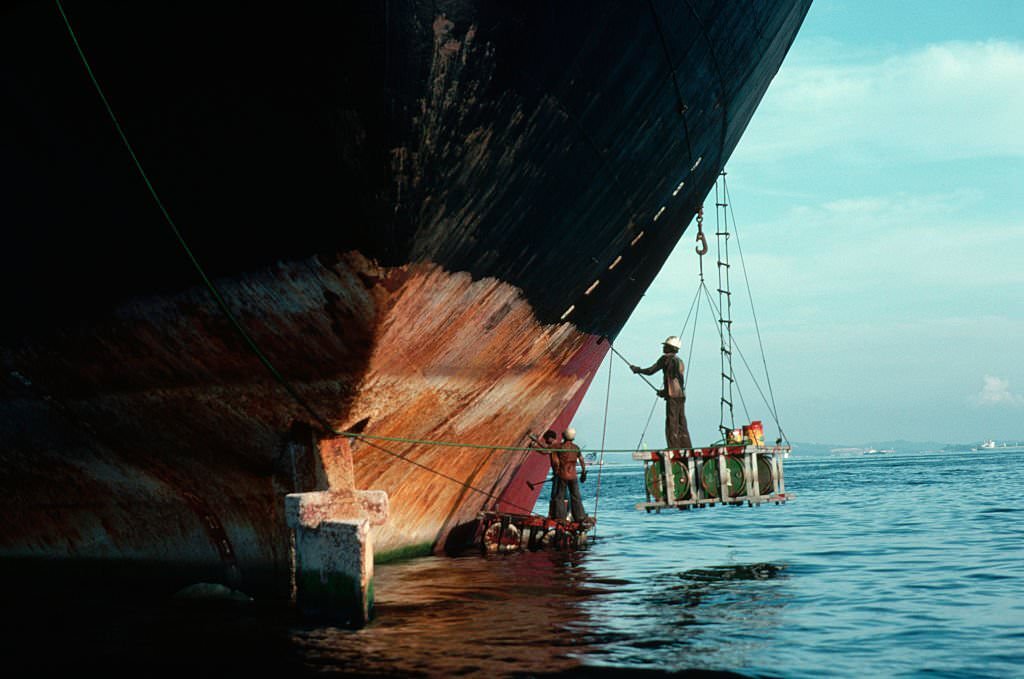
734, 436
757, 433
748, 438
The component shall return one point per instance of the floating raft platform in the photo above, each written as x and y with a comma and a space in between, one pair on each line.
502, 532
705, 477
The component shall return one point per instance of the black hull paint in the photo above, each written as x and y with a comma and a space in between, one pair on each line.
505, 140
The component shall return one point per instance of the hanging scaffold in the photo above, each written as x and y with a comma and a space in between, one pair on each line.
739, 468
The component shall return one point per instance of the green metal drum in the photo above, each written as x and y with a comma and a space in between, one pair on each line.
655, 481
709, 476
764, 474
734, 463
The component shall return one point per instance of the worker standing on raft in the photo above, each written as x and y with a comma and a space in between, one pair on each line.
677, 435
563, 468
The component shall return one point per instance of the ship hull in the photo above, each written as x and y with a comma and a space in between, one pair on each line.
427, 222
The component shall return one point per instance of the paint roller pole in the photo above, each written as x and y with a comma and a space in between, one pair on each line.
644, 378
533, 484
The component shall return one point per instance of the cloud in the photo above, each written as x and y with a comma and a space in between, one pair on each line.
947, 101
996, 392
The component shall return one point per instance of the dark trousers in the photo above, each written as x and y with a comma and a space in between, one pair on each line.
677, 435
556, 506
558, 501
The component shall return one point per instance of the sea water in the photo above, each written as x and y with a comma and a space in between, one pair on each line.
899, 564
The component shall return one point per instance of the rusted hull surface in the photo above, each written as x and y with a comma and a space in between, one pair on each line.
156, 435
458, 360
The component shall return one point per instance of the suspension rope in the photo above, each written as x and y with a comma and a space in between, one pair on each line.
750, 297
682, 107
650, 415
718, 72
181, 240
604, 430
464, 484
743, 358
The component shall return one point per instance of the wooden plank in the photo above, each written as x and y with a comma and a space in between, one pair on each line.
782, 476
754, 474
694, 479
724, 478
666, 475
686, 504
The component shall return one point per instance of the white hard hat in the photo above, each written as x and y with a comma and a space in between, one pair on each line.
569, 434
673, 341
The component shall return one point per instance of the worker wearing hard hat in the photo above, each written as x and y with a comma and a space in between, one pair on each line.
563, 467
677, 435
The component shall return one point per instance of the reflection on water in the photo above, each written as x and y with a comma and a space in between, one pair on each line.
494, 615
700, 618
546, 612
869, 571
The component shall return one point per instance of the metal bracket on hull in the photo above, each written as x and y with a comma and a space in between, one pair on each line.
331, 542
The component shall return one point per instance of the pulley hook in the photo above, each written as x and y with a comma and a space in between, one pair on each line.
702, 247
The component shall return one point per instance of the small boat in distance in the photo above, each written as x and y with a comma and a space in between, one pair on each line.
861, 451
990, 444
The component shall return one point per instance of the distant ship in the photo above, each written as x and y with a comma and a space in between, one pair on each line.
430, 218
990, 444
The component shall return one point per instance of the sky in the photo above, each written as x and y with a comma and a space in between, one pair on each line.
878, 197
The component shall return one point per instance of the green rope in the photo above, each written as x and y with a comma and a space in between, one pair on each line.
473, 488
457, 444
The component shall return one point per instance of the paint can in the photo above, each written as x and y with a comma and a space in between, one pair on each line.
757, 433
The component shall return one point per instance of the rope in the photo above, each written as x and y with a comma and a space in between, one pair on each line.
450, 478
604, 430
739, 351
693, 335
675, 80
647, 424
181, 241
718, 72
750, 297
